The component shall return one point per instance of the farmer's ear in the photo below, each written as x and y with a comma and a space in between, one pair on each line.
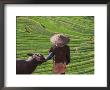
68, 38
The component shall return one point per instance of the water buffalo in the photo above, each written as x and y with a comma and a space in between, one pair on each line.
29, 65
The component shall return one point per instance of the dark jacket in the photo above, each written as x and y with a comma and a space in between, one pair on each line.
60, 54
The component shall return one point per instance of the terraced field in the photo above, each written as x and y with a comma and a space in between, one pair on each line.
33, 35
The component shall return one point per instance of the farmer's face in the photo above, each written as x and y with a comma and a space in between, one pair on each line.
59, 45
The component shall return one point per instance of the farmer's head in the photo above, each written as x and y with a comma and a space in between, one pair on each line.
59, 40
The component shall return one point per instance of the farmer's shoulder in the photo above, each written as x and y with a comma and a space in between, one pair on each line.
52, 48
66, 46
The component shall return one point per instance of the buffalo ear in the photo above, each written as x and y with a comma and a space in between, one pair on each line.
30, 54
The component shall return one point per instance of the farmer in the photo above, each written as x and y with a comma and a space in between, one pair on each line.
60, 53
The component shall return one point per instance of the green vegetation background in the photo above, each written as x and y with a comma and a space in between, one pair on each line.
33, 35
